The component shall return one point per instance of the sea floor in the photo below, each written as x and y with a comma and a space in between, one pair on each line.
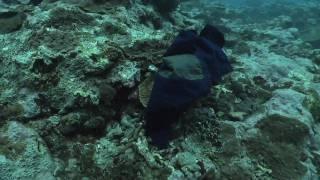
74, 80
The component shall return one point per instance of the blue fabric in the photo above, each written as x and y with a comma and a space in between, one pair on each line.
214, 59
171, 96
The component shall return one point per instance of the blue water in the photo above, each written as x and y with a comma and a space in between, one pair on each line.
253, 3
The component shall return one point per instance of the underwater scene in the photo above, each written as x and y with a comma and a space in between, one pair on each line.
159, 90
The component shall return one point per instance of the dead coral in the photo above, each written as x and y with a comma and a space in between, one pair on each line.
12, 150
68, 19
56, 40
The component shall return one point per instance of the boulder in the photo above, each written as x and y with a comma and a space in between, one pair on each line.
284, 118
23, 154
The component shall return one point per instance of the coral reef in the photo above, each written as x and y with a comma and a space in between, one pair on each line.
76, 76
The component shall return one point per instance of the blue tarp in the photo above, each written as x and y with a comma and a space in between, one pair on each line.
171, 96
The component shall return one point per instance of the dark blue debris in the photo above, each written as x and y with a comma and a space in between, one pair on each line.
179, 83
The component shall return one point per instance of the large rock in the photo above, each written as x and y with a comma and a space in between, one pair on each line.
279, 134
23, 154
284, 118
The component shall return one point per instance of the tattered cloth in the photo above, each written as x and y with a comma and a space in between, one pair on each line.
191, 65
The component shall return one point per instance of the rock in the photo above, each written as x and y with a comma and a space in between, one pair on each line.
11, 21
191, 166
238, 168
275, 69
279, 133
23, 154
193, 162
277, 159
68, 18
69, 66
106, 151
126, 73
185, 159
29, 103
284, 129
286, 119
229, 137
55, 40
71, 123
